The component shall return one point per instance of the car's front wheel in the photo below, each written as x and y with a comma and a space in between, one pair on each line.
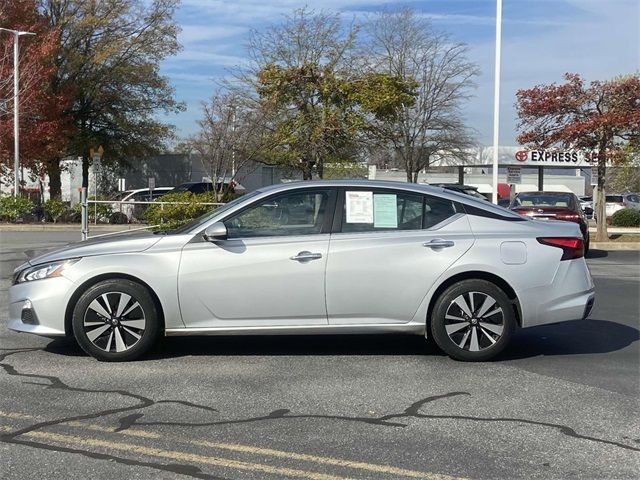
116, 320
472, 320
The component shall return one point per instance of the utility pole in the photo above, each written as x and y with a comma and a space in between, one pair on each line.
496, 100
16, 110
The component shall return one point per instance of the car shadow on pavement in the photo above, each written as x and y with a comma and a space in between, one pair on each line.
577, 337
567, 338
297, 345
273, 345
594, 253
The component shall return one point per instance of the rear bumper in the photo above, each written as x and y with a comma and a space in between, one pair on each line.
570, 296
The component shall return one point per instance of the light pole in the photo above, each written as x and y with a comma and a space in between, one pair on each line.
496, 100
16, 113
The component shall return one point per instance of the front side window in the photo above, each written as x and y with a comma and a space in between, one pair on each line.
297, 213
372, 211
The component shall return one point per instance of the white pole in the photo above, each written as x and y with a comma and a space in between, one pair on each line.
496, 100
16, 104
16, 115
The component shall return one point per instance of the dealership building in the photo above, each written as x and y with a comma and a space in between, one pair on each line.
527, 170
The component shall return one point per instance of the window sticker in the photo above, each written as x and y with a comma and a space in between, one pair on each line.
385, 211
359, 207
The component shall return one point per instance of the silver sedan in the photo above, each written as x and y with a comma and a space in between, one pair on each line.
314, 258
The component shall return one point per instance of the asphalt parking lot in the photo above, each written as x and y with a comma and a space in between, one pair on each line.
561, 402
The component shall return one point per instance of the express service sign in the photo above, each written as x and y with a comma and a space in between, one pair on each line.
554, 158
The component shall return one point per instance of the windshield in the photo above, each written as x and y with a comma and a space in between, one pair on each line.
195, 223
542, 200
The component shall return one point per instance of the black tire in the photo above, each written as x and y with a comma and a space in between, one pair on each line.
477, 337
586, 246
129, 331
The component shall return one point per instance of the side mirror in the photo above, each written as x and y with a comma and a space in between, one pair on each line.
215, 232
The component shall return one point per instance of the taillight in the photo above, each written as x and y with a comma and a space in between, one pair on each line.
571, 247
568, 217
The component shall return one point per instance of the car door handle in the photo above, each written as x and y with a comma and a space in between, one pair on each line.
303, 256
437, 243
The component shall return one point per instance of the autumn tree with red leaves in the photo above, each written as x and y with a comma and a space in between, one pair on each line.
44, 127
601, 118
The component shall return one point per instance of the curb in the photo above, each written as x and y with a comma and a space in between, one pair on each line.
615, 246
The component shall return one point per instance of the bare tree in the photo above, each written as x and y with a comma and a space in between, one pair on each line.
289, 81
405, 45
228, 141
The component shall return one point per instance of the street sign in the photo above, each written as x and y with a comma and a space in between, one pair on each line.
594, 176
514, 175
152, 183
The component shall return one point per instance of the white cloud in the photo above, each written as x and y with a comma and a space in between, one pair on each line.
601, 45
598, 39
200, 33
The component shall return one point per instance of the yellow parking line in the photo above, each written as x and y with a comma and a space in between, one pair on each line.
372, 467
89, 426
181, 456
339, 462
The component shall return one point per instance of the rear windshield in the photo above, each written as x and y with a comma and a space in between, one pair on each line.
614, 198
541, 200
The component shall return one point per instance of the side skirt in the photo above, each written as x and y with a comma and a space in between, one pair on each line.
406, 328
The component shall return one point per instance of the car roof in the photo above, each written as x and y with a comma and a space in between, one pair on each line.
553, 194
136, 190
420, 188
455, 185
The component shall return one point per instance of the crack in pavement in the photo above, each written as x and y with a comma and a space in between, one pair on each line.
134, 415
55, 382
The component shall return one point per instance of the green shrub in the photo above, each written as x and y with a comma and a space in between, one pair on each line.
627, 217
102, 210
55, 208
174, 216
13, 208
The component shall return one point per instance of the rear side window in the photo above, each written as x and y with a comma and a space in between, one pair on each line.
379, 210
437, 210
614, 198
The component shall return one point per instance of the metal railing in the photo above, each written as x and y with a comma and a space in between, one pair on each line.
85, 205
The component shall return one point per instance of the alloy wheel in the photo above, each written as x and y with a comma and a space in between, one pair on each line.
474, 321
114, 322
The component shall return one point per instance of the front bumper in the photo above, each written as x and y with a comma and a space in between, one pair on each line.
39, 307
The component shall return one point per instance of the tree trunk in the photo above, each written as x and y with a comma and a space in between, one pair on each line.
55, 183
409, 174
307, 171
602, 235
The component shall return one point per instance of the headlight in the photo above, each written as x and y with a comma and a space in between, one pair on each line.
47, 270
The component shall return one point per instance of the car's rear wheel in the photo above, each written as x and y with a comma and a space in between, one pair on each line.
472, 320
116, 320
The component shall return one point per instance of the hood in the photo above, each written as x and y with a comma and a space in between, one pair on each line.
128, 242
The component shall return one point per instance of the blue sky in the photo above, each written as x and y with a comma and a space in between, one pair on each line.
542, 39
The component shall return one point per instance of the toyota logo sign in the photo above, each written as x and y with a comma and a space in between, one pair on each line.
522, 155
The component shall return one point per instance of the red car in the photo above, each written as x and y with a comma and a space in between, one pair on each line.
552, 206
